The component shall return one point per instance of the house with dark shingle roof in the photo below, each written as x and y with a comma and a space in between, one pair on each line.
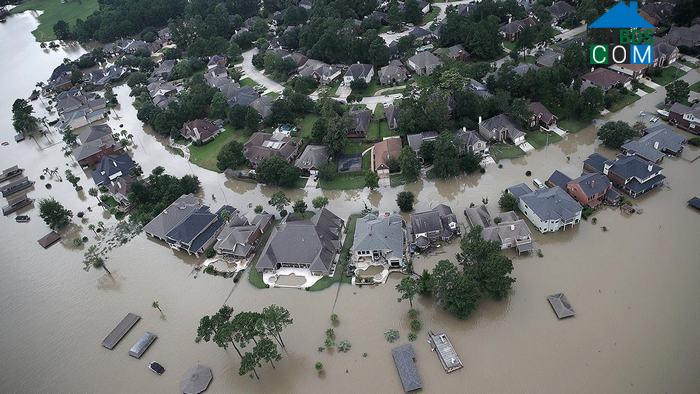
604, 79
558, 178
589, 189
361, 119
541, 116
415, 141
391, 112
112, 167
198, 231
307, 244
505, 228
633, 175
685, 117
561, 11
313, 158
405, 361
549, 209
95, 143
511, 31
260, 146
393, 74
430, 227
200, 131
423, 63
239, 238
358, 71
595, 163
455, 52
471, 141
171, 216
548, 58
501, 129
658, 141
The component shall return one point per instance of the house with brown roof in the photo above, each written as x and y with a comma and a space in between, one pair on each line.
95, 143
541, 116
200, 131
455, 52
589, 189
260, 146
604, 79
633, 70
384, 151
511, 30
685, 117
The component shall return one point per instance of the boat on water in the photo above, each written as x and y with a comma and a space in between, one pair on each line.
22, 219
156, 368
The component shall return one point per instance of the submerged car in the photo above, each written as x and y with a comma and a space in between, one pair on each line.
156, 368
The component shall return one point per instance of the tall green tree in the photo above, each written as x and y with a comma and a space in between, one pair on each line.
455, 292
266, 350
230, 156
54, 214
409, 163
371, 179
677, 91
276, 319
276, 171
249, 362
507, 202
279, 200
22, 119
218, 329
407, 288
319, 202
615, 134
444, 163
405, 201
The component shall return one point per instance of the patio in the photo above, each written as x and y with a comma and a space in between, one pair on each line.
297, 278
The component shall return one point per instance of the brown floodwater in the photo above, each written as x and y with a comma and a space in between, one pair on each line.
634, 287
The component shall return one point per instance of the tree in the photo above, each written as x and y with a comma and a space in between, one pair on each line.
336, 133
371, 179
412, 12
520, 111
407, 288
405, 200
507, 202
677, 91
248, 363
319, 202
279, 200
469, 162
319, 367
22, 119
218, 106
299, 207
409, 163
93, 259
276, 171
62, 30
218, 328
230, 156
444, 163
72, 179
156, 305
276, 319
266, 350
54, 214
614, 134
492, 275
455, 292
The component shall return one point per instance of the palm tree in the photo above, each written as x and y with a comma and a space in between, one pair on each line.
94, 260
156, 305
94, 192
92, 227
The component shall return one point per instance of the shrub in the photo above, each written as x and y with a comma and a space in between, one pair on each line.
415, 325
319, 366
391, 335
334, 318
695, 141
210, 253
258, 209
412, 336
508, 202
405, 201
344, 346
413, 313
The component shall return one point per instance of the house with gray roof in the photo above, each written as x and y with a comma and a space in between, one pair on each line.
379, 240
95, 143
589, 189
511, 30
393, 73
685, 117
391, 112
455, 52
415, 141
358, 71
313, 158
595, 162
633, 175
263, 105
260, 146
658, 141
561, 11
479, 88
361, 119
171, 216
423, 63
548, 58
524, 68
501, 129
548, 209
558, 178
239, 237
320, 71
506, 228
430, 227
307, 244
470, 141
111, 167
198, 231
405, 361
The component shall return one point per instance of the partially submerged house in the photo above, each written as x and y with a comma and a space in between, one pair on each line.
383, 152
201, 131
311, 245
589, 189
549, 209
430, 227
239, 237
541, 116
685, 117
501, 129
415, 141
505, 228
470, 141
112, 167
405, 361
379, 240
260, 146
95, 143
633, 175
658, 141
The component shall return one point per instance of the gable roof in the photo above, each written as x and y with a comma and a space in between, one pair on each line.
561, 9
361, 119
263, 145
628, 167
539, 110
389, 148
605, 78
415, 141
171, 216
558, 178
313, 157
592, 183
95, 132
501, 122
405, 361
519, 190
596, 161
552, 204
204, 127
380, 233
621, 16
112, 166
359, 70
424, 59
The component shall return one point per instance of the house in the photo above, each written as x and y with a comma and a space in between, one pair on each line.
97, 79
383, 152
393, 74
422, 36
548, 209
164, 70
589, 189
197, 231
379, 240
511, 30
360, 122
217, 61
541, 116
120, 187
604, 79
415, 141
162, 93
471, 141
112, 167
405, 361
621, 16
171, 216
423, 63
664, 53
633, 175
320, 71
548, 58
78, 109
685, 117
524, 68
658, 141
358, 71
391, 113
263, 105
500, 128
635, 71
682, 36
306, 4
455, 52
200, 131
479, 88
656, 13
311, 245
239, 238
506, 228
430, 227
558, 178
260, 146
95, 143
313, 158
595, 163
561, 11
379, 16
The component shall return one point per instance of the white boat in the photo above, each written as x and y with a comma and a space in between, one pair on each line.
662, 113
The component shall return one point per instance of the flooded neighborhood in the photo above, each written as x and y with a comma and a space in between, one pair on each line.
631, 275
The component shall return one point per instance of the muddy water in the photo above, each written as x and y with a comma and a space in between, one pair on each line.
634, 287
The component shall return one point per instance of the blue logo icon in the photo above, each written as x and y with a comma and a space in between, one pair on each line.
622, 16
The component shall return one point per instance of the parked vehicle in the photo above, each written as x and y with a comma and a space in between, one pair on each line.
156, 368
22, 219
539, 183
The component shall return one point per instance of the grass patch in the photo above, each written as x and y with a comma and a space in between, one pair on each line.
110, 202
393, 91
397, 180
529, 59
367, 162
205, 155
53, 11
306, 125
624, 101
688, 63
509, 45
539, 139
274, 95
346, 181
373, 133
668, 75
339, 275
647, 88
695, 87
352, 148
505, 151
254, 277
371, 89
574, 125
247, 82
430, 16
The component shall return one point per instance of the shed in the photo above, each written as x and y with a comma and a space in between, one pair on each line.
560, 305
142, 344
49, 239
405, 361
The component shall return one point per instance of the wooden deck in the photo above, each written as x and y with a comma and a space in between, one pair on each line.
447, 355
124, 326
16, 203
49, 239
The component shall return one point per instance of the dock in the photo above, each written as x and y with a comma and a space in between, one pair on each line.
446, 353
560, 305
142, 344
124, 326
16, 186
405, 361
16, 203
9, 173
49, 239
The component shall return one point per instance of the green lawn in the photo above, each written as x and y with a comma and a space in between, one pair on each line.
344, 181
509, 45
366, 162
688, 63
505, 151
205, 155
274, 95
695, 87
393, 91
430, 16
371, 89
53, 11
668, 75
646, 88
573, 125
339, 275
355, 147
254, 277
247, 82
305, 126
624, 101
539, 139
373, 133
397, 180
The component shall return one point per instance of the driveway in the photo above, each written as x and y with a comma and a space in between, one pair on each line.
392, 36
251, 72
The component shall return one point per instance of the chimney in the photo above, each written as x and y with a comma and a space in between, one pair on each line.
512, 227
656, 145
510, 19
650, 166
479, 119
464, 128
